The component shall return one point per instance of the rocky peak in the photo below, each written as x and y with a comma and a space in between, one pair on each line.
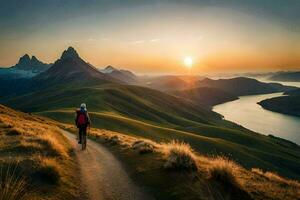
69, 53
24, 60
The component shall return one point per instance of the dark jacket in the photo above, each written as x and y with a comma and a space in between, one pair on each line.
88, 120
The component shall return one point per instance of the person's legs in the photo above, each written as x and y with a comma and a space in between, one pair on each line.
84, 132
80, 134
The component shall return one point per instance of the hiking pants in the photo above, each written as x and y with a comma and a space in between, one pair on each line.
82, 130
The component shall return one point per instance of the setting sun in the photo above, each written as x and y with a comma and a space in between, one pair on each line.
188, 62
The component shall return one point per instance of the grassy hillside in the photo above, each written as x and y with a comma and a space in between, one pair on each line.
35, 159
173, 170
206, 95
155, 115
247, 148
131, 101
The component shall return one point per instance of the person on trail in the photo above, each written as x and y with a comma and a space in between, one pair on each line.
82, 121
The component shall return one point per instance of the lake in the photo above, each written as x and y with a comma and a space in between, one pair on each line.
246, 112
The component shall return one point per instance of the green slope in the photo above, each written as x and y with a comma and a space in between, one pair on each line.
131, 101
208, 96
159, 116
248, 149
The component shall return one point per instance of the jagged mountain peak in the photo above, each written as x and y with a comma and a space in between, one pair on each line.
30, 64
34, 59
69, 53
24, 60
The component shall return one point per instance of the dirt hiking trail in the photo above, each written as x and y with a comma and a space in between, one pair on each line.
102, 175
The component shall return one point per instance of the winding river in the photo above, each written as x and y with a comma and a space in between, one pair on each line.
246, 112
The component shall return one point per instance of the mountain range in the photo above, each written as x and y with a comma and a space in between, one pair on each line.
25, 68
71, 68
182, 114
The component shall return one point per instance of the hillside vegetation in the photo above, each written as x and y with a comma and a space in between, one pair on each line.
207, 96
36, 161
173, 170
155, 115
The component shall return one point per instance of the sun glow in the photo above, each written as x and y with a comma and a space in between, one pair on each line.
188, 61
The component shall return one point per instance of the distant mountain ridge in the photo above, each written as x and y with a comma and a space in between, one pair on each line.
244, 86
25, 68
286, 76
125, 76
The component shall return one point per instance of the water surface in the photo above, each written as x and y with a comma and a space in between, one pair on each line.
246, 112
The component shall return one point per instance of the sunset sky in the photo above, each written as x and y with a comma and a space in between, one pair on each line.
156, 36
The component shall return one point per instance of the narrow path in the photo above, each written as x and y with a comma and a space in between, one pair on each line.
102, 174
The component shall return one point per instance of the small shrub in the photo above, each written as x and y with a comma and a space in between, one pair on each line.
114, 140
221, 170
143, 146
13, 186
48, 171
180, 157
14, 132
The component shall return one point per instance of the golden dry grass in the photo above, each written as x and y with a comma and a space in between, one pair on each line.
42, 152
258, 185
272, 176
144, 146
222, 169
180, 156
13, 185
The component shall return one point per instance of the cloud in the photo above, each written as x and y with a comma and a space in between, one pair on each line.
155, 40
138, 42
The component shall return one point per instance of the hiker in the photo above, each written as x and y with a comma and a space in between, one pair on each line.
82, 121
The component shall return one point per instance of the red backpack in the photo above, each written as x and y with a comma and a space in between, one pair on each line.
82, 119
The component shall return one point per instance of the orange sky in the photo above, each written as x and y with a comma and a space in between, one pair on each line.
218, 40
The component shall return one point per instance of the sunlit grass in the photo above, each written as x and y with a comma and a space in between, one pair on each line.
223, 171
179, 156
42, 152
13, 185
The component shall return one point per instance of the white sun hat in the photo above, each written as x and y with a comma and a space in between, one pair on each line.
83, 106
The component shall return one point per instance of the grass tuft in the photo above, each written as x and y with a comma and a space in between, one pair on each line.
221, 169
114, 140
48, 171
13, 185
180, 157
143, 146
14, 132
276, 178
